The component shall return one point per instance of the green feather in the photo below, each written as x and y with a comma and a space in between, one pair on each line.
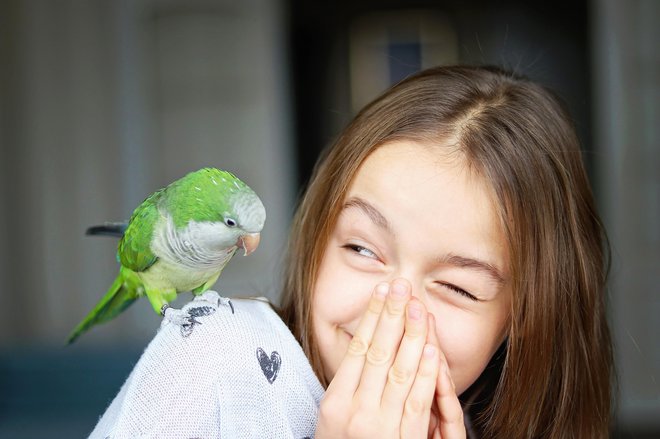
207, 195
134, 249
126, 288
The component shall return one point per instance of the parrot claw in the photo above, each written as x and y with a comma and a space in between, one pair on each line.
176, 316
211, 297
216, 299
187, 317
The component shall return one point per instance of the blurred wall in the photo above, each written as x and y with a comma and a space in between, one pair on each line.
626, 105
101, 103
104, 102
600, 56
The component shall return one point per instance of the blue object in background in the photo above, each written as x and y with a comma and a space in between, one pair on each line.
404, 59
49, 392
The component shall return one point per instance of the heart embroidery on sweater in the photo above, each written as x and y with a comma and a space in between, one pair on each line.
269, 366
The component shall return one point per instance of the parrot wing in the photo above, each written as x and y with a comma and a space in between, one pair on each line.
135, 246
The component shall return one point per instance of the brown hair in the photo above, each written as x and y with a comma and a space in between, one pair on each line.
556, 372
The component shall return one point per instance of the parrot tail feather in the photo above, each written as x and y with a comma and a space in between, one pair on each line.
108, 229
119, 297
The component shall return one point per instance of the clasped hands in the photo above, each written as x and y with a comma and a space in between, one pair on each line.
394, 381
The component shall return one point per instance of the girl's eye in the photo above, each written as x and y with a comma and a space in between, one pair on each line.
361, 250
458, 290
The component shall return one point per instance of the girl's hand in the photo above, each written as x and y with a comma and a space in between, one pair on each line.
447, 413
385, 386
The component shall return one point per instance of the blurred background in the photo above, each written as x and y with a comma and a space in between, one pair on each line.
104, 101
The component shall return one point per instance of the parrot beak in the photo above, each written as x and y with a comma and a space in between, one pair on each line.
249, 242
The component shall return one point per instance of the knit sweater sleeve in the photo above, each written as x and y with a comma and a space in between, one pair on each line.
233, 372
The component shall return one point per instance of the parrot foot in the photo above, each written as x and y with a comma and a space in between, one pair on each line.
186, 318
176, 316
214, 298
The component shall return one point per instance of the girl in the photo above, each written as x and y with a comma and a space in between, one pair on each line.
469, 183
444, 278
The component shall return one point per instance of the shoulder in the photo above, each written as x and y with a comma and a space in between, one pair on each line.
217, 324
259, 374
234, 367
212, 317
221, 331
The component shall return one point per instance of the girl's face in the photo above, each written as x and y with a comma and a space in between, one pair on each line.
418, 213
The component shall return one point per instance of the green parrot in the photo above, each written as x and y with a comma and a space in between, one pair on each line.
179, 239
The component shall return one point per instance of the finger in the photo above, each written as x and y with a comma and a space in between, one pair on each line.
347, 377
451, 413
417, 412
433, 422
384, 344
432, 339
401, 375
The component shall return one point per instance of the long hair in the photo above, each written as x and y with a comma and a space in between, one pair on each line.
556, 366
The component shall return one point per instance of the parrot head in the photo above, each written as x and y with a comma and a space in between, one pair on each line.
217, 210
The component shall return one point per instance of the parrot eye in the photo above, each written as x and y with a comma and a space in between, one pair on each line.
230, 222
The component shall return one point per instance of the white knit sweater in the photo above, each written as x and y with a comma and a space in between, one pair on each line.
232, 372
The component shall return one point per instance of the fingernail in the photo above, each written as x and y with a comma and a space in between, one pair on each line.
414, 312
398, 289
382, 289
429, 351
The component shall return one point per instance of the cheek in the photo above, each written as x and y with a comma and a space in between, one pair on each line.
330, 295
341, 294
340, 297
468, 343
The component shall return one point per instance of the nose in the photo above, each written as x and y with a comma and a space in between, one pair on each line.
413, 284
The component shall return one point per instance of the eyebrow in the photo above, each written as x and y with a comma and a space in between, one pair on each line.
464, 262
373, 213
451, 259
